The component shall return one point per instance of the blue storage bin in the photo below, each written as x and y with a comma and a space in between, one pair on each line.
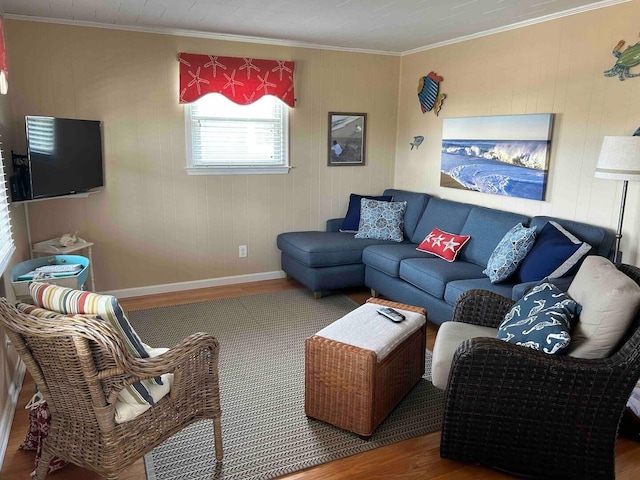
21, 287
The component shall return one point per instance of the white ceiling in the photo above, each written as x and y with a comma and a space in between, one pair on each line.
391, 26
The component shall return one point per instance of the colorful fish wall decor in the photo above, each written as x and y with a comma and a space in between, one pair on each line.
417, 141
628, 58
429, 94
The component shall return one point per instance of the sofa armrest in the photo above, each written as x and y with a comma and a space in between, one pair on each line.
334, 224
481, 307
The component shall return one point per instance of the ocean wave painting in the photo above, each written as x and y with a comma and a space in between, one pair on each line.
503, 155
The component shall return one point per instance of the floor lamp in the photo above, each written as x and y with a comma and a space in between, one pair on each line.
619, 160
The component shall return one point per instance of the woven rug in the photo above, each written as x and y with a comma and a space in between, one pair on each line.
265, 431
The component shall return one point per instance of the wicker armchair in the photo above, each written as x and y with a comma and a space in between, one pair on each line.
80, 365
530, 413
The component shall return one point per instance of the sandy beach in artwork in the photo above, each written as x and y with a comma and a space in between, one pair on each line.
448, 181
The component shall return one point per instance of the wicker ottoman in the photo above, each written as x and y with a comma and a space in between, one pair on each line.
355, 388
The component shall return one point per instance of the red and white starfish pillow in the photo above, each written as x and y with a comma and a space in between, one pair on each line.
443, 244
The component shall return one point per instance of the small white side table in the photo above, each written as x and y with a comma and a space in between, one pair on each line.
52, 247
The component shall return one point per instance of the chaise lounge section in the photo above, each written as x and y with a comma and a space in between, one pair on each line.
331, 260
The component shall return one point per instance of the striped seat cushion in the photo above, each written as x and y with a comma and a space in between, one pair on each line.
53, 300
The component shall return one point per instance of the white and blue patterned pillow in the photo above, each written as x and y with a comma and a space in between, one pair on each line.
508, 254
381, 220
542, 319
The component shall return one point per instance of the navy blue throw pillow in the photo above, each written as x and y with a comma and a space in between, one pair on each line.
555, 253
352, 218
542, 319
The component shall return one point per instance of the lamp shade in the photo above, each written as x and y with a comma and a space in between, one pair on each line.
619, 159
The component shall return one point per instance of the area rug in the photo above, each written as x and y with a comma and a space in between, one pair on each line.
264, 429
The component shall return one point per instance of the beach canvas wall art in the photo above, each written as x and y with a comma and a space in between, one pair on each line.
503, 154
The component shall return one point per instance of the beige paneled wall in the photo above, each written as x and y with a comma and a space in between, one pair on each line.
154, 224
554, 67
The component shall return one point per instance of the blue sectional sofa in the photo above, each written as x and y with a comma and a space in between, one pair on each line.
330, 260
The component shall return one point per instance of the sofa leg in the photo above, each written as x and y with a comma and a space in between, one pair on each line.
287, 276
317, 294
374, 294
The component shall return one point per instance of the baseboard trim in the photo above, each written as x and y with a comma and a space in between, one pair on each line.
194, 285
6, 416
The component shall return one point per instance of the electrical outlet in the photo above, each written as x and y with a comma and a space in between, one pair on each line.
242, 251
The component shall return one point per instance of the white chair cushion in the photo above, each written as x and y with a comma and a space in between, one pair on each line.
129, 410
609, 302
450, 336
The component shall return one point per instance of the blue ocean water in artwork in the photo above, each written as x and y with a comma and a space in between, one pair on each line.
504, 167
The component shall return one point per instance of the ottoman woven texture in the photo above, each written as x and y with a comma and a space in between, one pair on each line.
349, 387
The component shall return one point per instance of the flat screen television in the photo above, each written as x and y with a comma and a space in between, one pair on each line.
64, 157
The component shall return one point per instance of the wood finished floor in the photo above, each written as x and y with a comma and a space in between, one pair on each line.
413, 459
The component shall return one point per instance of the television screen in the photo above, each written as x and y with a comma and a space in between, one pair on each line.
64, 156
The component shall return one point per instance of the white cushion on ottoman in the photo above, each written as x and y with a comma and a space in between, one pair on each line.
365, 328
450, 336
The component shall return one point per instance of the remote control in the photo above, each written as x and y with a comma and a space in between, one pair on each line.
391, 314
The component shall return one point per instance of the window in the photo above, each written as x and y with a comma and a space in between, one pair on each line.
6, 240
226, 138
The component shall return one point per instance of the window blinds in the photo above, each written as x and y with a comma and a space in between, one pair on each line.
6, 239
223, 133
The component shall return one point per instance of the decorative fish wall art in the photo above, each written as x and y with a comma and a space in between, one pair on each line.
429, 94
627, 59
417, 141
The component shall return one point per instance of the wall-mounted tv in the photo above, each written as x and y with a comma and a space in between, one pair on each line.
64, 157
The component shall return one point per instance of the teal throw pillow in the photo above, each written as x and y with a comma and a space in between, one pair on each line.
381, 220
509, 252
542, 319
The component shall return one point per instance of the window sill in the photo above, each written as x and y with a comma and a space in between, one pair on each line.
249, 170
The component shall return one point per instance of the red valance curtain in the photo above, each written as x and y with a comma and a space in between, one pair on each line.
4, 71
242, 80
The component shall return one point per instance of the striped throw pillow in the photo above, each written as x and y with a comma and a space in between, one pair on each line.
69, 301
44, 313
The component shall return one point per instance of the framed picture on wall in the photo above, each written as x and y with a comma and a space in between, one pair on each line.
347, 139
503, 154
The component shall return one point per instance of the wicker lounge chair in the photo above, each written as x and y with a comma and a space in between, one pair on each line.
80, 365
530, 413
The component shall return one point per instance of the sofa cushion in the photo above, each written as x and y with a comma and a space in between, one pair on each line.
511, 250
433, 274
458, 287
352, 218
443, 244
416, 203
381, 220
387, 258
609, 302
486, 228
443, 214
325, 249
541, 320
450, 336
555, 253
600, 239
